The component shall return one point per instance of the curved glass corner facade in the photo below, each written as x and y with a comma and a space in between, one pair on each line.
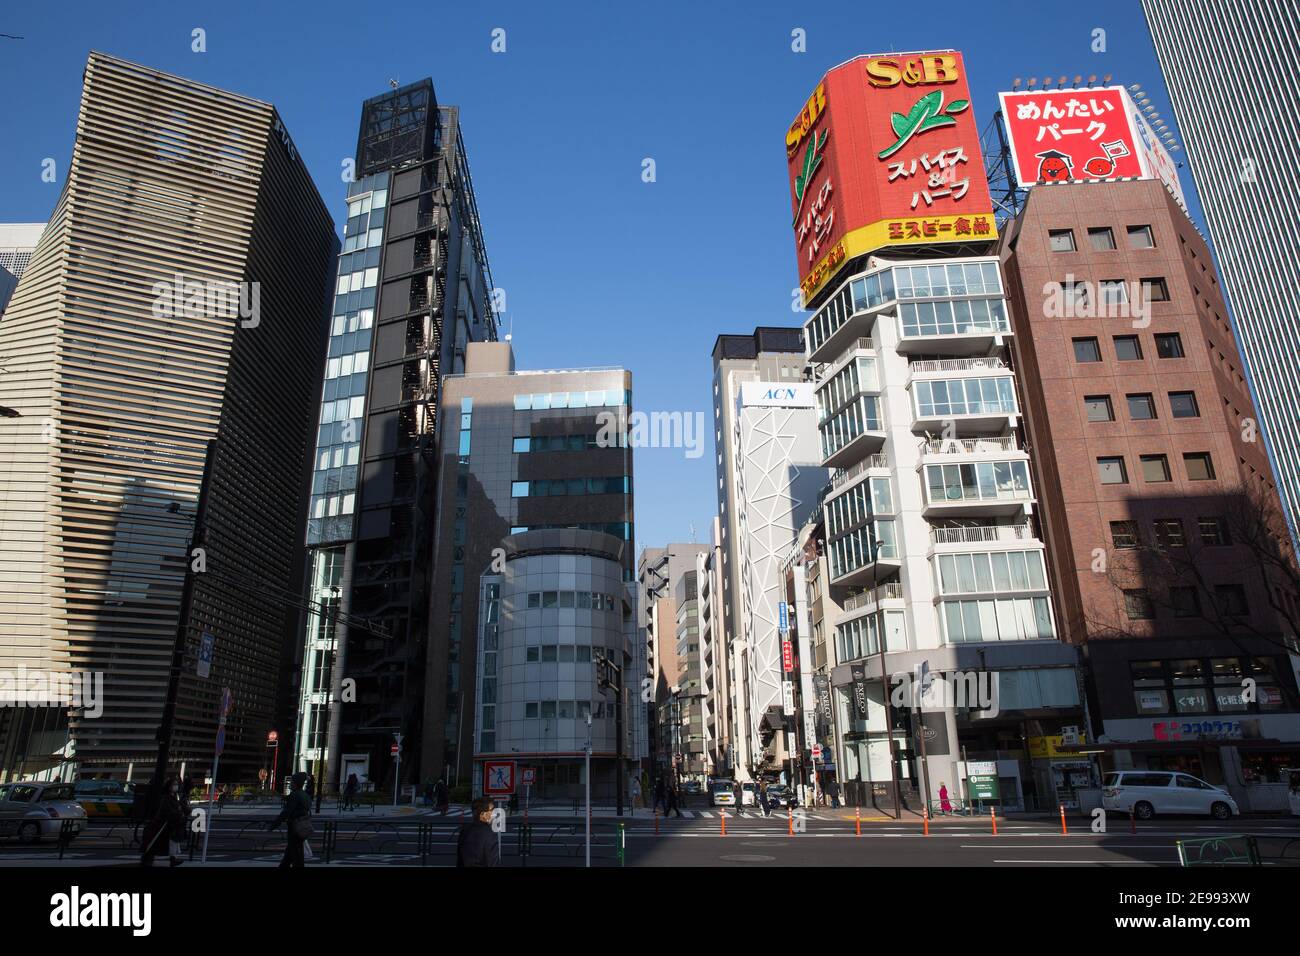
864, 293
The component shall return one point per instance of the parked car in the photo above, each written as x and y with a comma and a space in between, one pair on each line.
105, 798
1146, 793
33, 809
691, 786
721, 795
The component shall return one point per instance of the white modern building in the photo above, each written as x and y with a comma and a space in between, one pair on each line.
931, 551
779, 472
1245, 176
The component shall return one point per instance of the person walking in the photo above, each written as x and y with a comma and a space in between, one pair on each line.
671, 806
477, 844
945, 805
297, 813
634, 792
762, 798
166, 827
350, 792
442, 796
659, 795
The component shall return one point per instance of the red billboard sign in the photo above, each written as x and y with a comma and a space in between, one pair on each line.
885, 152
1076, 135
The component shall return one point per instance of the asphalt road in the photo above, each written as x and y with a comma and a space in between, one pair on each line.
827, 839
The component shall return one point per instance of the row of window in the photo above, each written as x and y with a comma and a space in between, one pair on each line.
527, 443
1112, 470
619, 529
352, 364
566, 710
954, 317
1185, 601
1078, 293
902, 282
860, 416
862, 501
862, 546
1141, 406
582, 600
982, 572
559, 654
1206, 686
1169, 533
860, 637
985, 480
1102, 239
856, 377
595, 398
941, 398
552, 487
1128, 348
999, 619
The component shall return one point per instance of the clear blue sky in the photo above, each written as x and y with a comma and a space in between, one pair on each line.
599, 268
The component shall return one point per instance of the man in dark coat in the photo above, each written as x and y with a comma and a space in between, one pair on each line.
297, 812
477, 844
168, 825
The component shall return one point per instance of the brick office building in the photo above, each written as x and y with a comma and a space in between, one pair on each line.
1154, 486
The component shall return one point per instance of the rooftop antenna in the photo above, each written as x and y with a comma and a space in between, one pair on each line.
393, 83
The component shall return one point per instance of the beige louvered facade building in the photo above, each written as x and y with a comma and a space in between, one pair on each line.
179, 294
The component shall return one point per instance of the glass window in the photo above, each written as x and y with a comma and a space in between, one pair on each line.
1141, 406
521, 445
1214, 531
1061, 240
1155, 468
1124, 534
1113, 291
1186, 603
550, 599
1199, 466
1140, 237
1155, 290
1183, 405
519, 489
1169, 533
1128, 348
1086, 350
1111, 471
1103, 239
1098, 408
1169, 345
1137, 604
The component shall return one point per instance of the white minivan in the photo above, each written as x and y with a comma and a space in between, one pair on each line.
1145, 793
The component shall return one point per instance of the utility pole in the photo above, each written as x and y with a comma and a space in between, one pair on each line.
884, 675
198, 535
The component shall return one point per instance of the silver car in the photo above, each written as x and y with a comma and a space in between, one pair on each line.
32, 809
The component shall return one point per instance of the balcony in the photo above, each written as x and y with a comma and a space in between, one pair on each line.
1001, 446
983, 534
848, 315
889, 591
945, 367
863, 555
871, 462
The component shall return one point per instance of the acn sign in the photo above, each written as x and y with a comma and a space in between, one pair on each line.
884, 71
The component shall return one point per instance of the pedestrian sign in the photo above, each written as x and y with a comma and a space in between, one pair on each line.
499, 777
530, 776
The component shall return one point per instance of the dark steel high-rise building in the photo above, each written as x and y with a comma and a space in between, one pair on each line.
178, 295
413, 289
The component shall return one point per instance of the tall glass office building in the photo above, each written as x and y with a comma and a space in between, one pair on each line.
413, 288
1217, 55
